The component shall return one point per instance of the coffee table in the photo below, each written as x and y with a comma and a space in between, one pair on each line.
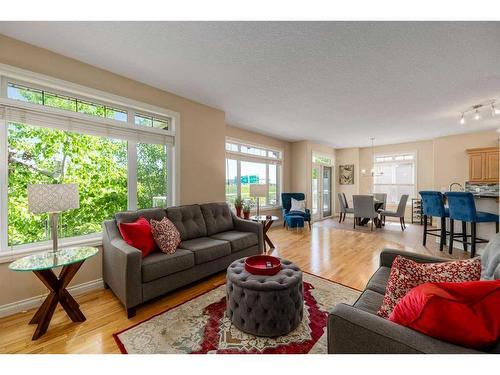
266, 221
267, 306
42, 265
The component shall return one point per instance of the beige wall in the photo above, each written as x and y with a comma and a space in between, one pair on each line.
202, 129
302, 153
440, 161
202, 134
451, 163
347, 156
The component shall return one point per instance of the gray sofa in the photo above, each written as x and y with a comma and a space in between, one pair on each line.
358, 328
212, 238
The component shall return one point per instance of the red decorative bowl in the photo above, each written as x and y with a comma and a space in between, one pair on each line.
263, 265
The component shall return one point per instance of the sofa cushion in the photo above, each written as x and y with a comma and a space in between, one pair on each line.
369, 301
217, 217
238, 240
378, 281
188, 220
407, 274
206, 249
148, 213
465, 314
159, 264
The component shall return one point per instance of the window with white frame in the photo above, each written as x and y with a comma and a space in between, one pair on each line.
395, 175
120, 156
251, 164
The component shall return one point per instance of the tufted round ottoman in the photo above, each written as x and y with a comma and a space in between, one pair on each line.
265, 305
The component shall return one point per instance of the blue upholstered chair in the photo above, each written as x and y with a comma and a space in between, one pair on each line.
286, 202
433, 206
462, 207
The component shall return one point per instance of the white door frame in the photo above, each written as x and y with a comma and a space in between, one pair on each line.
319, 202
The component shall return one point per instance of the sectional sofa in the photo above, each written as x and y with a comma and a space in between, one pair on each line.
212, 237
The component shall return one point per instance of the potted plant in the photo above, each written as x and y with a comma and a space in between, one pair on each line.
238, 205
246, 211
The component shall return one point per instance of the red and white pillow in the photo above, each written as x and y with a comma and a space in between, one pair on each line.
407, 274
166, 235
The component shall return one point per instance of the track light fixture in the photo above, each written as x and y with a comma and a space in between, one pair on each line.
477, 108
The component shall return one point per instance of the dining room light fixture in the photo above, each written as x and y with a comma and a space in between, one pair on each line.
494, 110
372, 173
462, 119
477, 110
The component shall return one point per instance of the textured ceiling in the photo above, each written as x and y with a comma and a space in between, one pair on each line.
338, 83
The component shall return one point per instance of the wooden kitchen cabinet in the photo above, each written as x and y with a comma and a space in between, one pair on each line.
483, 165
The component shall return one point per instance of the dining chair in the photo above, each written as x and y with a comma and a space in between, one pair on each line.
344, 207
381, 197
400, 212
364, 207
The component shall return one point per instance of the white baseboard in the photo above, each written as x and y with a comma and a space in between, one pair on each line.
30, 303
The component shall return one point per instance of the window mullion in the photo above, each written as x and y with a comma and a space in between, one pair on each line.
132, 175
238, 177
3, 185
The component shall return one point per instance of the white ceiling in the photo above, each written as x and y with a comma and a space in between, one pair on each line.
338, 83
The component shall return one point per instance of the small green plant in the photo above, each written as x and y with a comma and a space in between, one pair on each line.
246, 208
238, 202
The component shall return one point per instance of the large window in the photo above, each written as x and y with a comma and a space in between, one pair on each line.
395, 175
39, 155
119, 157
249, 164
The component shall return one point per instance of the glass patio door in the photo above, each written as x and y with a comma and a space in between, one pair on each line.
316, 192
326, 188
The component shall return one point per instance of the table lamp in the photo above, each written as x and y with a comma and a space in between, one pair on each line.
258, 191
53, 199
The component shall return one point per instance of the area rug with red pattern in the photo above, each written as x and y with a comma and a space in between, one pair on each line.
200, 326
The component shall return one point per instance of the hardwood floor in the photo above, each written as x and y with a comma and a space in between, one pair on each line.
331, 250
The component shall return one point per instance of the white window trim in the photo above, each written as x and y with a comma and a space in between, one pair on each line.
415, 170
242, 156
27, 78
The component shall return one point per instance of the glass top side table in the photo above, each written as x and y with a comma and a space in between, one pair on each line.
266, 221
42, 265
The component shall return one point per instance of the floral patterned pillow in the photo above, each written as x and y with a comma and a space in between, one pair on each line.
407, 274
166, 235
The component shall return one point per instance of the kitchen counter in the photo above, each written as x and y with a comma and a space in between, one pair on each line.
485, 195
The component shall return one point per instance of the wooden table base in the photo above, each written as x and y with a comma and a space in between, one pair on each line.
266, 225
58, 294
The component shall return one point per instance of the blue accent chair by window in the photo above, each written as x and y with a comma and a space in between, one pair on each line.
462, 207
286, 202
433, 206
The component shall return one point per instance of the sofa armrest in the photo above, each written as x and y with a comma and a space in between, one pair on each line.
351, 330
250, 226
122, 265
387, 256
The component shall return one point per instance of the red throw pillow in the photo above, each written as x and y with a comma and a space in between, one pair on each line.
166, 235
138, 234
407, 274
466, 314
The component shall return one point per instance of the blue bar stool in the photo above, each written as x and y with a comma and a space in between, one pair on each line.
433, 206
462, 207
